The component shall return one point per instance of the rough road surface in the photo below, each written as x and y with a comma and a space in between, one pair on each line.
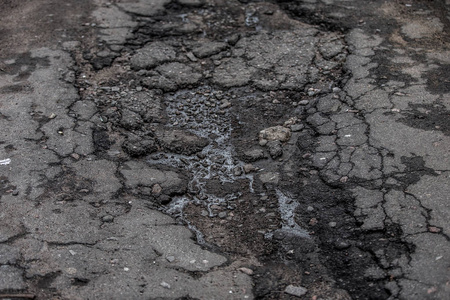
211, 149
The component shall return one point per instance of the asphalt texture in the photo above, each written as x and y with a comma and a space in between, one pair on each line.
209, 149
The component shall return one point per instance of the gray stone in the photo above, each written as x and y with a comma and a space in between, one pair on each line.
297, 127
222, 215
108, 218
303, 102
253, 155
248, 168
297, 291
276, 133
341, 245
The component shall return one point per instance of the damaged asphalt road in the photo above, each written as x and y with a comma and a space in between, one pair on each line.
208, 149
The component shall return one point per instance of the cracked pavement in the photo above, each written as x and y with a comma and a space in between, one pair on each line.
208, 149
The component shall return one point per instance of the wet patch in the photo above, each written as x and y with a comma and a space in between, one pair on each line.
415, 169
16, 88
5, 186
101, 140
22, 67
430, 117
67, 187
438, 80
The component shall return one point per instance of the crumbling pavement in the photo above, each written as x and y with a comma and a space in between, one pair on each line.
214, 150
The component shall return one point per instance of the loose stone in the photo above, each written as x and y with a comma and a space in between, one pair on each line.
263, 142
237, 171
434, 229
108, 218
248, 168
246, 270
297, 127
222, 215
341, 245
295, 290
276, 133
303, 102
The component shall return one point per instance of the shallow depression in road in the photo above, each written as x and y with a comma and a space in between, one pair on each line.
205, 112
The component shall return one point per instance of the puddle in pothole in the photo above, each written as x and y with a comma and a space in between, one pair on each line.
206, 113
287, 207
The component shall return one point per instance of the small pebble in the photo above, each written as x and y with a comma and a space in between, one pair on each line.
341, 245
222, 215
313, 221
303, 102
165, 285
297, 127
263, 142
295, 290
248, 168
434, 229
332, 224
108, 218
246, 270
